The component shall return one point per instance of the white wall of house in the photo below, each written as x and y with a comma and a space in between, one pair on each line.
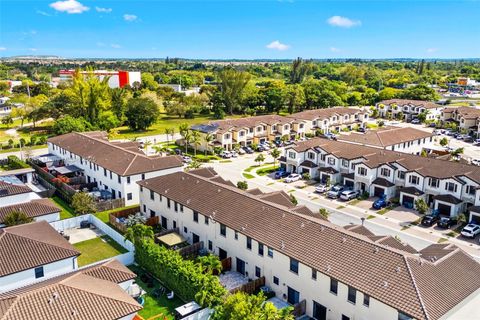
27, 277
18, 198
277, 266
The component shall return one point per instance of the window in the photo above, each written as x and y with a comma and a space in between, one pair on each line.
258, 272
223, 230
294, 265
286, 127
143, 176
185, 229
333, 286
250, 130
260, 249
259, 129
39, 272
168, 203
110, 174
345, 163
119, 179
311, 155
366, 300
413, 179
141, 189
210, 245
301, 125
450, 186
144, 208
175, 206
206, 220
275, 280
401, 175
236, 235
331, 161
129, 196
470, 190
403, 316
152, 213
314, 274
152, 195
322, 157
362, 171
249, 243
344, 317
352, 295
128, 180
385, 172
291, 155
195, 216
270, 252
241, 133
226, 135
181, 207
433, 182
104, 172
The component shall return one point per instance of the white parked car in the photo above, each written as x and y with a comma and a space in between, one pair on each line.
470, 230
293, 177
225, 154
476, 162
234, 154
321, 188
348, 195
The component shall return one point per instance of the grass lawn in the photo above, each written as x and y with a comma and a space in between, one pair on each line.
266, 170
155, 306
165, 121
97, 249
248, 176
41, 129
42, 146
67, 211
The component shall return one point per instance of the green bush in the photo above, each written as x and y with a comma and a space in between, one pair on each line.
184, 277
15, 163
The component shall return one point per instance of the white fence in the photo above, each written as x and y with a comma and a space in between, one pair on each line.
72, 223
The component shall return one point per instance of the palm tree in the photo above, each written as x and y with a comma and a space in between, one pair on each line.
208, 140
275, 153
169, 132
210, 263
187, 137
196, 141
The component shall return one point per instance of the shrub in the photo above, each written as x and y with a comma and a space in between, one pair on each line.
421, 206
15, 163
306, 176
15, 218
243, 185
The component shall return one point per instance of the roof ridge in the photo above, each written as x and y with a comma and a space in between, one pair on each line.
42, 242
417, 290
110, 144
131, 163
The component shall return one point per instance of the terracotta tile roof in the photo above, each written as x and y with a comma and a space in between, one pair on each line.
278, 197
111, 270
373, 157
326, 113
223, 181
255, 191
382, 182
394, 243
93, 146
34, 208
412, 190
465, 112
308, 164
417, 103
359, 229
206, 172
72, 296
383, 272
385, 137
447, 198
10, 189
31, 245
241, 123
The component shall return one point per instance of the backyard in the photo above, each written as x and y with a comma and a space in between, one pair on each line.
97, 249
155, 305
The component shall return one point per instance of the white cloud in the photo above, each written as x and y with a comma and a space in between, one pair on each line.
43, 13
69, 6
129, 17
3, 48
333, 49
277, 45
104, 10
115, 46
343, 22
33, 49
432, 50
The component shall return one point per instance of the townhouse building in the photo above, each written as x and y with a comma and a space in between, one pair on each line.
37, 209
259, 129
337, 273
449, 187
409, 140
94, 292
114, 166
466, 118
33, 252
409, 108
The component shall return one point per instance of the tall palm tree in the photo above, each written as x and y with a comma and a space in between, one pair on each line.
187, 137
196, 141
211, 263
208, 140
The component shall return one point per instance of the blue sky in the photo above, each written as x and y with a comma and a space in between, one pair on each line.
241, 29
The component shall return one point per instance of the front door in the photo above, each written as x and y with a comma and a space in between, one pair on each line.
164, 223
195, 238
319, 311
240, 266
293, 296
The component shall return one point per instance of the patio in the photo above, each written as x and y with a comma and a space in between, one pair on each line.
232, 280
78, 234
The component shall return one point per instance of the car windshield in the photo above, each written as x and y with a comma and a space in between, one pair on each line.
336, 188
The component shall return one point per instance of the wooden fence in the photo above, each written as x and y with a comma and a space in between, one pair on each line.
191, 251
250, 287
113, 217
300, 308
226, 264
104, 205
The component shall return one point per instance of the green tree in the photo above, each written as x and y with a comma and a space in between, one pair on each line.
141, 113
457, 152
275, 153
421, 206
422, 116
299, 70
14, 218
294, 98
196, 140
138, 233
274, 95
420, 92
210, 263
243, 185
107, 120
260, 158
69, 124
424, 153
232, 84
444, 141
293, 199
7, 121
324, 213
83, 203
208, 138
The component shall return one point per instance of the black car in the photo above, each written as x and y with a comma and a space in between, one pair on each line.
446, 222
248, 150
361, 129
429, 220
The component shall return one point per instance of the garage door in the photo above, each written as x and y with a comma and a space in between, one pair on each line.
378, 192
475, 219
348, 183
407, 201
444, 209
